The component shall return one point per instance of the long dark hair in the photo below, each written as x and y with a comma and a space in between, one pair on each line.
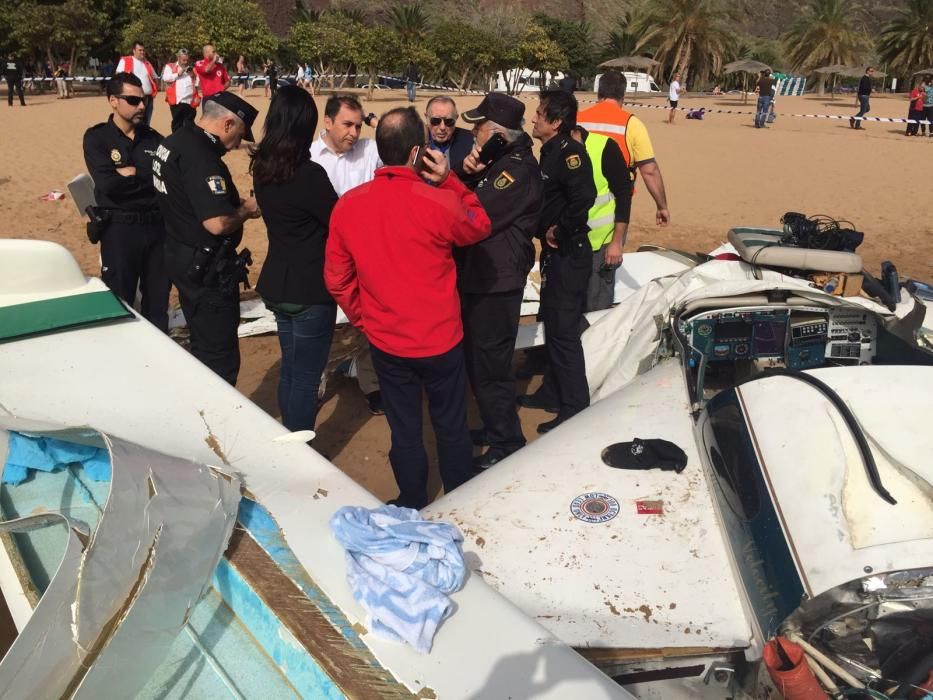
288, 131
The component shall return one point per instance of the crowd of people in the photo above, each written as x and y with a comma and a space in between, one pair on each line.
423, 236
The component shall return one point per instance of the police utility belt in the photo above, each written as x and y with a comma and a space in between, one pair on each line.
219, 266
101, 218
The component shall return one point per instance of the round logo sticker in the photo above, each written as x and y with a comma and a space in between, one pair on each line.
594, 507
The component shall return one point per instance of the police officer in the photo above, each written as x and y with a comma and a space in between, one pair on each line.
491, 274
566, 255
13, 72
119, 155
204, 217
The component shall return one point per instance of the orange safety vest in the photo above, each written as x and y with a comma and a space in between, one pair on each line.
170, 90
608, 119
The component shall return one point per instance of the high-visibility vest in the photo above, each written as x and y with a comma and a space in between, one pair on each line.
608, 119
602, 215
171, 93
126, 66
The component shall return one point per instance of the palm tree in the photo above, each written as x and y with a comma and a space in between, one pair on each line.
623, 38
906, 43
690, 36
827, 32
410, 22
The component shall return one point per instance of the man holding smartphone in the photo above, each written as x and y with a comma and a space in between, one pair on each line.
181, 93
491, 274
389, 265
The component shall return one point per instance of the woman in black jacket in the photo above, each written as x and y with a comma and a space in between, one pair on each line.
296, 199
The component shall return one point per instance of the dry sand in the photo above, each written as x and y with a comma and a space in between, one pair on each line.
719, 173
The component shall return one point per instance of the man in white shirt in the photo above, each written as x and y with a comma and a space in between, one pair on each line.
350, 161
180, 92
142, 69
674, 96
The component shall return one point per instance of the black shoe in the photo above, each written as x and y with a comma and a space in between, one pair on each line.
404, 504
550, 425
374, 398
532, 401
488, 459
852, 122
478, 437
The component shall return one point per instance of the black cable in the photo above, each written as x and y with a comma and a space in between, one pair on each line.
868, 459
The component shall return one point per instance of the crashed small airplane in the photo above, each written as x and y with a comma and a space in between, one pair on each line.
801, 506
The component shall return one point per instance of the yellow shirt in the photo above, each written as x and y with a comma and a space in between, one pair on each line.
639, 143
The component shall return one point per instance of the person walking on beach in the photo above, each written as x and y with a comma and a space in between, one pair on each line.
864, 92
673, 96
764, 88
13, 72
915, 112
928, 103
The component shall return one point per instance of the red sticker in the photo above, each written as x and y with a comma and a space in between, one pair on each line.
650, 507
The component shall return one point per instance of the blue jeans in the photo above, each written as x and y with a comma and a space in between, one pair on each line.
410, 89
764, 103
863, 109
305, 341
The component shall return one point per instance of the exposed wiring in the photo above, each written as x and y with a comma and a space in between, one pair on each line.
825, 661
859, 609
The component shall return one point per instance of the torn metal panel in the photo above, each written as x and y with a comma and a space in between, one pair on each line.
122, 604
43, 658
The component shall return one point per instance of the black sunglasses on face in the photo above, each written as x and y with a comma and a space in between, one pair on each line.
448, 121
131, 100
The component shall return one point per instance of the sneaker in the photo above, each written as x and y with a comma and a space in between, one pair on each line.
374, 399
488, 459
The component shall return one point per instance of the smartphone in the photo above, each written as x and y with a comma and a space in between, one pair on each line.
492, 149
420, 158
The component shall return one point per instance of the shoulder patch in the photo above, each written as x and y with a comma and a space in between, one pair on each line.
217, 185
504, 180
573, 161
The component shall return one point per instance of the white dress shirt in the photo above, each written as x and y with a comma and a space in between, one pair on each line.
184, 83
350, 169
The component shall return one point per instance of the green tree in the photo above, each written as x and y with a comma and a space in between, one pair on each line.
575, 41
329, 43
236, 27
622, 39
827, 32
60, 32
690, 36
410, 22
906, 43
464, 52
375, 49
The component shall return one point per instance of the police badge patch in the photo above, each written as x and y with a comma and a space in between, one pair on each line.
503, 181
115, 155
217, 184
573, 162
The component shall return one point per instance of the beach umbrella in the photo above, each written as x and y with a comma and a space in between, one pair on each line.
924, 71
745, 66
642, 63
835, 68
858, 71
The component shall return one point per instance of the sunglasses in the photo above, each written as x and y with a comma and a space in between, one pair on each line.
131, 100
448, 121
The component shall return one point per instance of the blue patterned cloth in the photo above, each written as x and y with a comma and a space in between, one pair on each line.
49, 454
401, 569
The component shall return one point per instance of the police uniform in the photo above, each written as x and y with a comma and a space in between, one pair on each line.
194, 184
491, 279
569, 193
13, 72
131, 245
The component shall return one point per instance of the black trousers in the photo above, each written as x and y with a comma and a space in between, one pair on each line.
563, 297
212, 316
15, 84
181, 113
490, 325
132, 255
443, 377
147, 115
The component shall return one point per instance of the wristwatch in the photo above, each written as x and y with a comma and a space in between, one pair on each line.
368, 119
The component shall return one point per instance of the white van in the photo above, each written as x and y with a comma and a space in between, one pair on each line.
636, 82
525, 80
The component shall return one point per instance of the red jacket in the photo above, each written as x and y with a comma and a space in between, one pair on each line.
213, 80
389, 259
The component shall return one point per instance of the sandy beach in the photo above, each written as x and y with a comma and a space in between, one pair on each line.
719, 173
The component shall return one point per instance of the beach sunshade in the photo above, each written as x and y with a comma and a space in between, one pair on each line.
641, 62
834, 68
924, 71
857, 71
746, 66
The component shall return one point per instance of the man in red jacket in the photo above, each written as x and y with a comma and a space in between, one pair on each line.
389, 264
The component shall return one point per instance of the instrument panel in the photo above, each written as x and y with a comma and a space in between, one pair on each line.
797, 337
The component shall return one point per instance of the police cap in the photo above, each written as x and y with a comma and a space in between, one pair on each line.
240, 107
504, 110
